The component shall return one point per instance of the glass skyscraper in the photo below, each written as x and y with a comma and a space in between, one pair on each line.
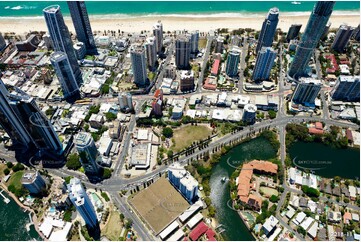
264, 63
313, 32
81, 22
306, 91
60, 37
65, 74
268, 31
232, 62
27, 125
343, 35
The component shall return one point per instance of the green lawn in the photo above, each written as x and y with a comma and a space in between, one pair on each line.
15, 179
185, 135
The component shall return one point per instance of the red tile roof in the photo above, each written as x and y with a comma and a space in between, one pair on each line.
215, 67
334, 64
209, 86
245, 176
210, 235
315, 131
349, 135
198, 231
318, 125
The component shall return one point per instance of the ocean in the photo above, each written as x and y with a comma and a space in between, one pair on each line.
174, 8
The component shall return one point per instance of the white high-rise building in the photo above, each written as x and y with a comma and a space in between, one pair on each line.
82, 203
126, 102
158, 33
182, 52
183, 181
151, 51
137, 56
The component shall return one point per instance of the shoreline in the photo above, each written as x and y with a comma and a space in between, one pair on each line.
203, 23
29, 210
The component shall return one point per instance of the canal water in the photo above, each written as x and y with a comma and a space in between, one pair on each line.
328, 161
258, 148
13, 222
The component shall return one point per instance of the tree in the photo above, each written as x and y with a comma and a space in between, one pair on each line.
129, 223
18, 167
121, 216
107, 173
274, 198
272, 114
170, 153
167, 132
6, 171
9, 164
73, 162
110, 116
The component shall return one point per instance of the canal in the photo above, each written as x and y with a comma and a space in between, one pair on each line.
327, 160
13, 223
258, 148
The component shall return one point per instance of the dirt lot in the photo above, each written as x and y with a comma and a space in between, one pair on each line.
159, 204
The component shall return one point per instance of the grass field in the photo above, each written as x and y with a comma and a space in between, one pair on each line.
2, 168
268, 192
15, 179
159, 204
202, 43
184, 136
113, 227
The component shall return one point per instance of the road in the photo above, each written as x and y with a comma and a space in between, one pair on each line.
243, 63
204, 63
322, 92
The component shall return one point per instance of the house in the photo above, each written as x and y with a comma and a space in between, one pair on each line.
303, 202
352, 191
336, 191
328, 189
312, 231
334, 217
338, 233
355, 217
269, 225
322, 234
312, 205
320, 208
299, 218
290, 212
307, 223
347, 218
345, 191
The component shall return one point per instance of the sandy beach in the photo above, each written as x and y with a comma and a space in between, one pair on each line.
170, 23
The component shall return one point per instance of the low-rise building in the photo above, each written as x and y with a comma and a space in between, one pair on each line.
269, 226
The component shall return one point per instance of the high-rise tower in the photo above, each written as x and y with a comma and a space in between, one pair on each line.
60, 37
314, 29
268, 31
81, 22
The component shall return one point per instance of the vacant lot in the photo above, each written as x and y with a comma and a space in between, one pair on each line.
268, 192
202, 42
113, 227
159, 204
184, 136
